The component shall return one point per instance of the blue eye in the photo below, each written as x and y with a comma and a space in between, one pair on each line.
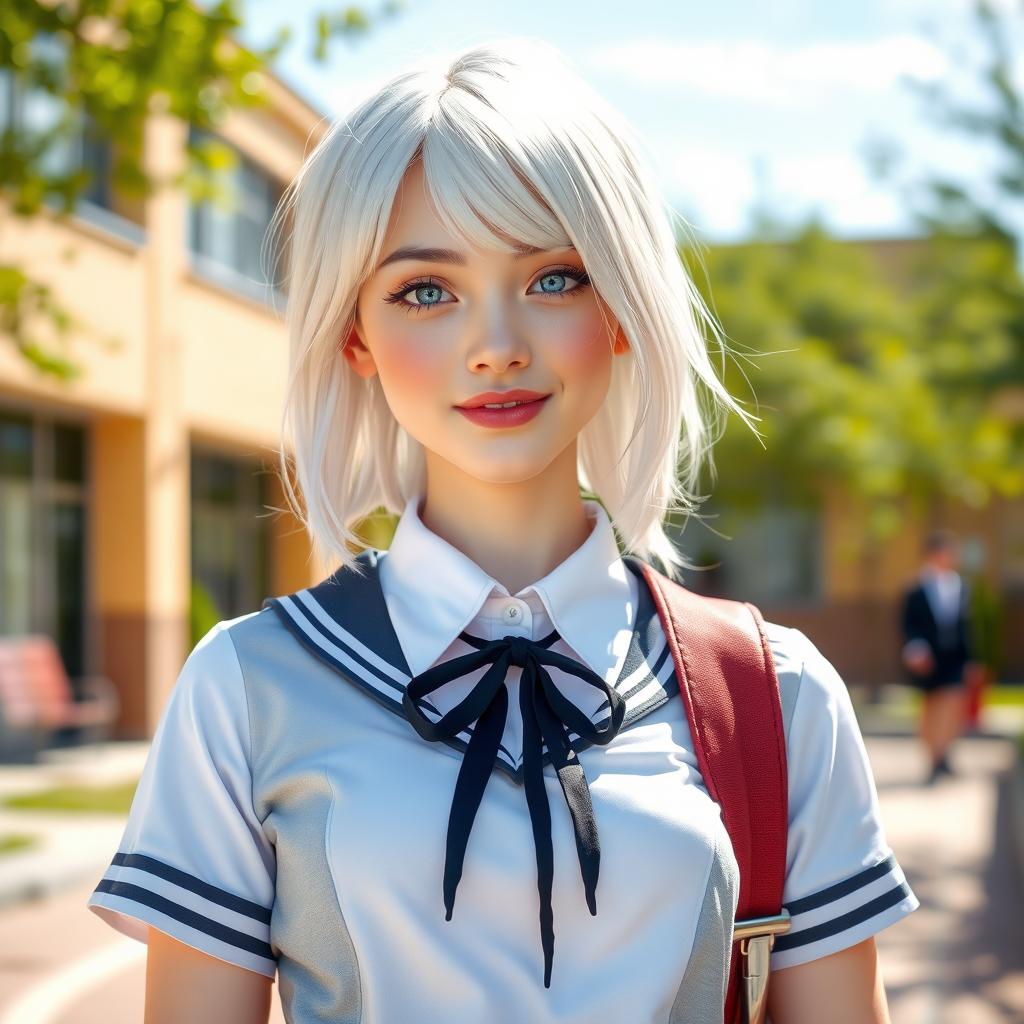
432, 288
579, 276
397, 297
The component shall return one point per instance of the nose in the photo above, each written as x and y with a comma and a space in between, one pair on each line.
499, 343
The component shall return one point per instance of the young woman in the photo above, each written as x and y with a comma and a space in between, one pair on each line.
492, 334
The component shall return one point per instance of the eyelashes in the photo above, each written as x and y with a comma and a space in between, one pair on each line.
397, 297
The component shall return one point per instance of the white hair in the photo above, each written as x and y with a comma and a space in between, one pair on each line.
515, 145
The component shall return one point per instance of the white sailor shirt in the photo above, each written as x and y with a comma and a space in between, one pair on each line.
289, 819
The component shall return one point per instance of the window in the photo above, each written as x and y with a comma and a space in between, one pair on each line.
231, 539
1011, 544
769, 556
43, 528
32, 111
226, 238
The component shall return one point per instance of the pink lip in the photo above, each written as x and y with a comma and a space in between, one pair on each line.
512, 417
513, 395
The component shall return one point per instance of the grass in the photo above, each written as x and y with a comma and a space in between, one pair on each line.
113, 799
15, 842
1005, 696
910, 699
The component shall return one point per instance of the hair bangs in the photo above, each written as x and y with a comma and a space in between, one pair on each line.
482, 192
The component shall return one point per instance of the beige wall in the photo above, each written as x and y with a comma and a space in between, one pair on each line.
166, 358
235, 363
102, 279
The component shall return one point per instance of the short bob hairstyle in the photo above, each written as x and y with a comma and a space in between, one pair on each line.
517, 151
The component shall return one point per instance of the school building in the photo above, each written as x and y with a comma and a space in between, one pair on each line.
140, 498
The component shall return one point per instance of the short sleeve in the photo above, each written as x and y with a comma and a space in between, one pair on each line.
193, 860
843, 883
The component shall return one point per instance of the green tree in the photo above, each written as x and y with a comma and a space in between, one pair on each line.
892, 377
103, 67
881, 383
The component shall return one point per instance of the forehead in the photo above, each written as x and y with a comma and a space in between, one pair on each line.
414, 214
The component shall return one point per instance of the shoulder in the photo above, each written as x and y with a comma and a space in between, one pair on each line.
246, 636
215, 652
810, 686
211, 677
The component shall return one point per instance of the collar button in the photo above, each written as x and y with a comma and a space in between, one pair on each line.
513, 613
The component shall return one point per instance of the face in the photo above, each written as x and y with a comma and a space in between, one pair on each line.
947, 557
439, 333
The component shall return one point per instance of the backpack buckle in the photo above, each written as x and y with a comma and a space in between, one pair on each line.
756, 937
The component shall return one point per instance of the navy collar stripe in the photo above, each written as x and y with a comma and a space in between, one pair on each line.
339, 644
648, 686
347, 661
334, 630
649, 695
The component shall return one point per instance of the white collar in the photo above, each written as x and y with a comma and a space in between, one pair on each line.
433, 591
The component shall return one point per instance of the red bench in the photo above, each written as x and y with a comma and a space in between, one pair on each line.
37, 699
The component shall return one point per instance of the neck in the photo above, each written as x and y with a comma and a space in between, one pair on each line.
516, 531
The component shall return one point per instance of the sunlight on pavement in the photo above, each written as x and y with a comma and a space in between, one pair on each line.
41, 1003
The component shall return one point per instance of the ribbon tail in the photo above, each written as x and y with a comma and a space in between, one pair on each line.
475, 770
577, 796
540, 816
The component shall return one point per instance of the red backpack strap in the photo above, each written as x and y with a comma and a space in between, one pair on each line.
730, 690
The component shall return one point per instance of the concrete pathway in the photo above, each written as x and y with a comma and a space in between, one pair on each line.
959, 958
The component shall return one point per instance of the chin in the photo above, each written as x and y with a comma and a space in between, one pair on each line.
496, 473
502, 469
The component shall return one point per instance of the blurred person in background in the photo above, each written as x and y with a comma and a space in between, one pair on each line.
937, 647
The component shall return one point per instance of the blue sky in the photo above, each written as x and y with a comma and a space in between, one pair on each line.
734, 100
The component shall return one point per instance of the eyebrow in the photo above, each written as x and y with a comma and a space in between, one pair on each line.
430, 255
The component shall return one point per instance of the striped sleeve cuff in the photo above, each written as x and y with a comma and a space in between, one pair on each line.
137, 891
844, 914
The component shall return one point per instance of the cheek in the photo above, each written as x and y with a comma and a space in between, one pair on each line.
583, 348
409, 363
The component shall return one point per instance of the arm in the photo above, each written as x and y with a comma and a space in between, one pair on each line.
193, 838
917, 653
183, 983
843, 883
844, 988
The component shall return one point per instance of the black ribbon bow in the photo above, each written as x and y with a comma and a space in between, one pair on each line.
545, 715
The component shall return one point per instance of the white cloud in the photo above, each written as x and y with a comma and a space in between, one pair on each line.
755, 70
719, 186
838, 184
928, 6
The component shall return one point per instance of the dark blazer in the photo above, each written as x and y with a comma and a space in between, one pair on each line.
951, 647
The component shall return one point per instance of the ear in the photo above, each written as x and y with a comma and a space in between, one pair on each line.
621, 342
358, 355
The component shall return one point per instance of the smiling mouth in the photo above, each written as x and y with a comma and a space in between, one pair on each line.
504, 414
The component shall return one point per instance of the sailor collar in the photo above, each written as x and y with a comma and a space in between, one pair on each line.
344, 621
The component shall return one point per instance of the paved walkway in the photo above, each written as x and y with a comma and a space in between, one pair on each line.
71, 845
959, 959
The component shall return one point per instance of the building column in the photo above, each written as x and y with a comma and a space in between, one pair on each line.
141, 521
117, 541
166, 467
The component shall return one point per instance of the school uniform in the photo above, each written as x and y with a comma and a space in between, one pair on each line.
291, 820
936, 619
